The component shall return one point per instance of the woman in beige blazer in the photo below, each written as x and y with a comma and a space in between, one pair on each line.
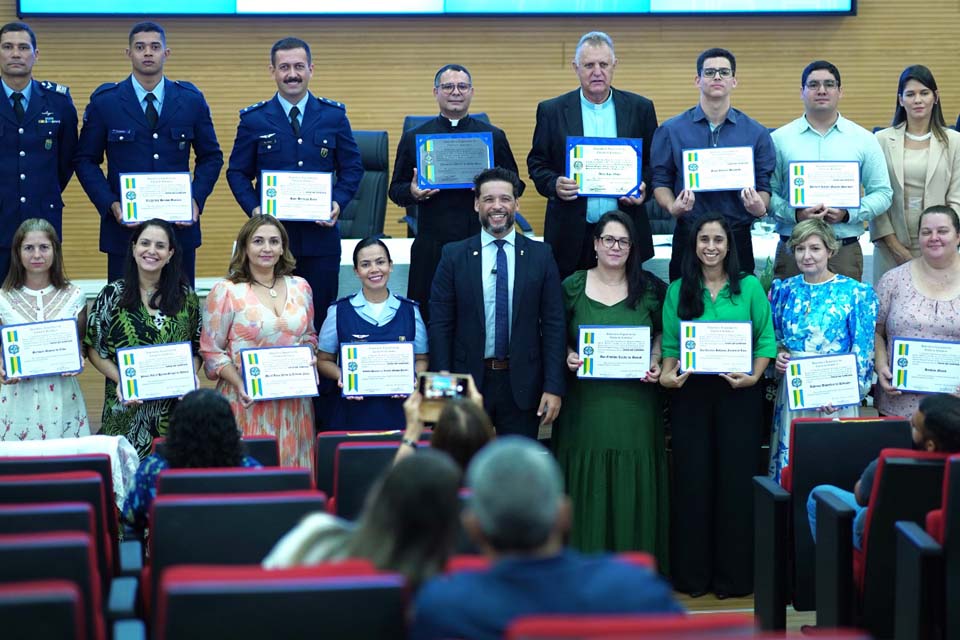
923, 158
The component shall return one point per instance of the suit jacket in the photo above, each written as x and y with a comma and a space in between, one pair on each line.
942, 187
36, 157
565, 221
265, 140
537, 342
114, 124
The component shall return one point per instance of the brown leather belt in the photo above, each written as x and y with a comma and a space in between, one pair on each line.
496, 365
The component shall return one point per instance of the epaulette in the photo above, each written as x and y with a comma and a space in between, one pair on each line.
107, 86
253, 107
332, 103
410, 300
344, 298
187, 85
57, 88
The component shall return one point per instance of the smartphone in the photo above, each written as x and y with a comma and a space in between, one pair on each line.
437, 386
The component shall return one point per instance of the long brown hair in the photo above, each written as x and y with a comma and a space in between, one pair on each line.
17, 275
239, 269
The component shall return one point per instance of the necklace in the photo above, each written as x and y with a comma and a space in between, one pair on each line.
270, 289
915, 138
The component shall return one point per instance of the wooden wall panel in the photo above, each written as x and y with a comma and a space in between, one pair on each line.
382, 68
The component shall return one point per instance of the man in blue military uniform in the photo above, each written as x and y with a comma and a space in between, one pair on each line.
146, 124
38, 135
296, 131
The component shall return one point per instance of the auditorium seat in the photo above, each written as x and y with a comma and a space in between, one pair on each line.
42, 609
857, 587
356, 469
364, 216
234, 480
263, 449
629, 627
328, 441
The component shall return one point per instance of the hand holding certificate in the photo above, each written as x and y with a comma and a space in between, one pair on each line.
296, 195
605, 167
835, 184
272, 373
41, 349
822, 381
716, 347
451, 160
156, 371
718, 169
614, 352
925, 366
168, 196
377, 368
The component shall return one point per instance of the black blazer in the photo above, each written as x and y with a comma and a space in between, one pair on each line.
458, 329
565, 221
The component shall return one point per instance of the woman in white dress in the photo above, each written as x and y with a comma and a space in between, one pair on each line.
35, 290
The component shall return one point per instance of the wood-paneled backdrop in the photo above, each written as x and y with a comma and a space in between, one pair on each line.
383, 68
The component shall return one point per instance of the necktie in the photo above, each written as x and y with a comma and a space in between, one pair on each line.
501, 343
294, 122
151, 111
18, 105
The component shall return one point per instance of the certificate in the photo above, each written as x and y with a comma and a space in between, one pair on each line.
156, 371
835, 184
821, 380
718, 169
614, 352
271, 373
167, 196
925, 366
605, 167
377, 368
716, 347
296, 195
451, 160
39, 349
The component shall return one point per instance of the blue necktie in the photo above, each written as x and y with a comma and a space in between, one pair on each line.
501, 344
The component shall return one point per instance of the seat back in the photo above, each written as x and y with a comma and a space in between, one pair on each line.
254, 603
263, 449
42, 609
66, 556
234, 480
830, 452
328, 441
357, 466
73, 486
365, 214
907, 485
951, 543
627, 627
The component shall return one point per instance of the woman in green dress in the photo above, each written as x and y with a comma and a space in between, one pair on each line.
609, 436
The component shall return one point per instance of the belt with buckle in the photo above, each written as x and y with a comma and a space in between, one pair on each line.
844, 242
496, 365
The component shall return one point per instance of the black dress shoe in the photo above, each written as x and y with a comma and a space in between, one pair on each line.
698, 593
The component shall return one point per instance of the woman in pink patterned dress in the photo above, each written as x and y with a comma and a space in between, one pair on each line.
260, 304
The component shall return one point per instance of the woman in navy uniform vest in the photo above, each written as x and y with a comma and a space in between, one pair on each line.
373, 314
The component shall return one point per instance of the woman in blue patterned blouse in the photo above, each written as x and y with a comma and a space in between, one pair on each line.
818, 313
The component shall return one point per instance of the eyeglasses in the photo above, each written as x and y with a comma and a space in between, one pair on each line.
448, 87
814, 85
610, 241
709, 73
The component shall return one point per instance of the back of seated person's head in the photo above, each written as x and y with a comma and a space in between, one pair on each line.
411, 517
939, 423
462, 429
203, 432
517, 504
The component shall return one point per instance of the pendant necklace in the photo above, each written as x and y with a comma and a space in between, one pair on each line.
271, 290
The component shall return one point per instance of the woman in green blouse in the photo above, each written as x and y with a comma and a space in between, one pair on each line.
716, 418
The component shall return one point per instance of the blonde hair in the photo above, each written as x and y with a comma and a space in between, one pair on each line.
814, 227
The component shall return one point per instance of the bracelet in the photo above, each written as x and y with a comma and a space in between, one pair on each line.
410, 443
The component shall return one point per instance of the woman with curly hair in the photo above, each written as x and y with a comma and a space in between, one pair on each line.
203, 433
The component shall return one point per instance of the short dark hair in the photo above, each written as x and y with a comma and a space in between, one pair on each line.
286, 44
19, 26
497, 174
941, 420
716, 52
148, 27
369, 242
817, 65
203, 432
451, 67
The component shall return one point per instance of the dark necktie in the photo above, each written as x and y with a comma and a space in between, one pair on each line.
18, 105
151, 111
501, 341
294, 122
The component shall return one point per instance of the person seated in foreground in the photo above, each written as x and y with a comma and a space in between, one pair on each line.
408, 524
517, 514
202, 433
935, 426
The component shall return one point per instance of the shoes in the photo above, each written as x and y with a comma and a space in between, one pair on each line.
698, 593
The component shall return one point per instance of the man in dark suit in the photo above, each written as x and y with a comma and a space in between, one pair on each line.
38, 130
496, 312
596, 109
146, 124
296, 131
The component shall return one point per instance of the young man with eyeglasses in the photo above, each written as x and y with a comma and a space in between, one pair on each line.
713, 122
821, 133
442, 215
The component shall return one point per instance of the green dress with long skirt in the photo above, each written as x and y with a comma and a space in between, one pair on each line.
610, 444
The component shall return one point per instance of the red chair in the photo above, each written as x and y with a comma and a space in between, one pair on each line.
628, 627
42, 609
263, 449
234, 480
467, 562
328, 441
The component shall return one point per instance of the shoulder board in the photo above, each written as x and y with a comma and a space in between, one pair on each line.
107, 86
332, 103
57, 88
344, 298
253, 107
187, 85
409, 300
